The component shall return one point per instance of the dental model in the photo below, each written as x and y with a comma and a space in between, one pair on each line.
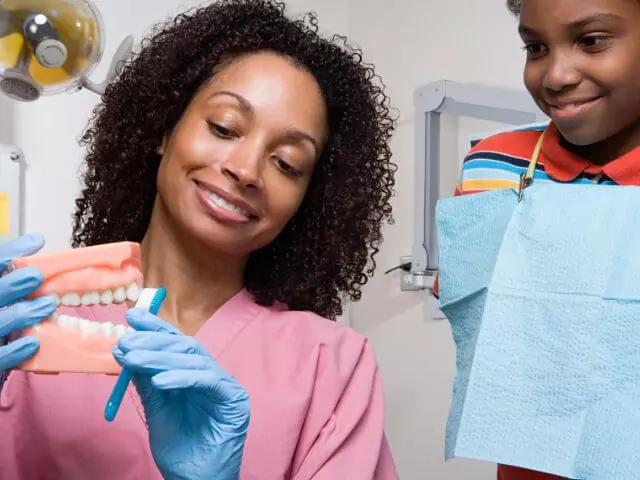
89, 276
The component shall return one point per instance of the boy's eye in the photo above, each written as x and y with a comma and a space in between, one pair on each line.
534, 49
593, 42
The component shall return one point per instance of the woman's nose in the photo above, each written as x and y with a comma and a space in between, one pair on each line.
244, 168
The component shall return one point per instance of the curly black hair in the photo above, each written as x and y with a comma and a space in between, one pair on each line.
326, 252
514, 6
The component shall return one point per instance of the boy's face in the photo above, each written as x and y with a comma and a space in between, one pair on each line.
583, 67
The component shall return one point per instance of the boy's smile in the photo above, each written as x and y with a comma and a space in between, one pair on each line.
582, 70
565, 110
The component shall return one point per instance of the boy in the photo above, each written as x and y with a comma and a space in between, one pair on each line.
582, 70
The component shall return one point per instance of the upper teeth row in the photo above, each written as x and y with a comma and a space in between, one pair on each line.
229, 206
88, 327
118, 295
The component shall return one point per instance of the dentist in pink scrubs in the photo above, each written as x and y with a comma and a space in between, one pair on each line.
251, 159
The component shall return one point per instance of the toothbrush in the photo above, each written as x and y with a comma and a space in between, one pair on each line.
151, 300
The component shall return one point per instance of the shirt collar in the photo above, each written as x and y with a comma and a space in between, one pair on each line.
565, 166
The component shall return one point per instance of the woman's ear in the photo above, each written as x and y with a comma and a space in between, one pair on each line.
162, 146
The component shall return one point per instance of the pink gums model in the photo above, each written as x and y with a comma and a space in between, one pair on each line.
102, 274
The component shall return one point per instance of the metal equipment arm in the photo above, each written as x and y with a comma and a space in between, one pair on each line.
431, 101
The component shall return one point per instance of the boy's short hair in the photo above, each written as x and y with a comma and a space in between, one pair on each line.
514, 6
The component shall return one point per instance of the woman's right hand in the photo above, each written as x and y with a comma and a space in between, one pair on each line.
17, 313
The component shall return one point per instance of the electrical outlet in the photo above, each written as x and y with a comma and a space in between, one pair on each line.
407, 283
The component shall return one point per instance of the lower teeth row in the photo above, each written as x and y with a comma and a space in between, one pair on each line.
107, 329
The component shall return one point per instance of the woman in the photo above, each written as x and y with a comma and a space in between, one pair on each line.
251, 159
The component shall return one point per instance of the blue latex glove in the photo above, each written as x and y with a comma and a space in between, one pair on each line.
16, 313
197, 414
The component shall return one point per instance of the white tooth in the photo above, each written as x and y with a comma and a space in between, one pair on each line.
70, 300
107, 328
89, 327
133, 292
224, 204
57, 300
106, 298
90, 298
120, 330
68, 321
94, 327
119, 295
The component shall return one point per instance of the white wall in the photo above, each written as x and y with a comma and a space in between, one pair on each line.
412, 42
6, 117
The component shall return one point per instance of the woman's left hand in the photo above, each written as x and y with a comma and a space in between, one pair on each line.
197, 413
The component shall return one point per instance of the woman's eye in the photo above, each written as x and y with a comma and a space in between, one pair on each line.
220, 131
286, 168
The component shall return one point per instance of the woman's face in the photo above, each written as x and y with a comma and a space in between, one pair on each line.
237, 165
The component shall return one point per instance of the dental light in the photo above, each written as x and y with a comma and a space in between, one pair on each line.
49, 47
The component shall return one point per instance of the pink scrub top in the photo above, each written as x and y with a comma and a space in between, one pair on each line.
317, 408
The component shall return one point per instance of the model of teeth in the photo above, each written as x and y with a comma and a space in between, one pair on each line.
118, 295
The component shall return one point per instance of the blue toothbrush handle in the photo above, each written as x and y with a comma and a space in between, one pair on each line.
120, 388
115, 399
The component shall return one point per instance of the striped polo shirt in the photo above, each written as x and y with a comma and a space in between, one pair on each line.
497, 161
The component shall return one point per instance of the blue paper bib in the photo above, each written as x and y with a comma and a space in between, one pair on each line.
543, 297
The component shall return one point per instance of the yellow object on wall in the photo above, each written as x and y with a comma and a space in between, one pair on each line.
4, 214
